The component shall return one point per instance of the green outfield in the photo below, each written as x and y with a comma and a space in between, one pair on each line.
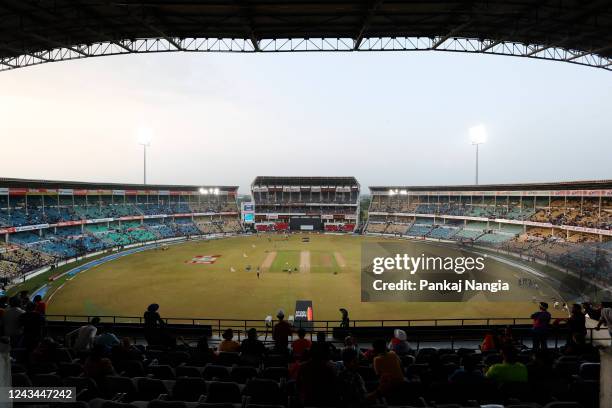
251, 277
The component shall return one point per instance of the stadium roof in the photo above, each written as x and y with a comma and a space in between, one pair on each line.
57, 184
35, 32
304, 181
569, 185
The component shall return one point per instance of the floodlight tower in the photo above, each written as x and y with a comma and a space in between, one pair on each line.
144, 139
478, 136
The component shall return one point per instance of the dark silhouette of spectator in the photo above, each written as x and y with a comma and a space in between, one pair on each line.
316, 378
345, 319
300, 345
41, 306
86, 335
281, 332
32, 324
24, 299
510, 370
154, 327
44, 353
202, 354
106, 339
252, 349
541, 325
467, 373
126, 351
351, 387
98, 365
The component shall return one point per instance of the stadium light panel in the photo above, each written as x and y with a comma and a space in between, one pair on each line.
145, 135
478, 134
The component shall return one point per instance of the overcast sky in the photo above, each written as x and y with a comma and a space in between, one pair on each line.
386, 118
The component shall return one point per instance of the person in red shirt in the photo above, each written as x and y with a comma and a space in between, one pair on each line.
39, 305
301, 344
281, 332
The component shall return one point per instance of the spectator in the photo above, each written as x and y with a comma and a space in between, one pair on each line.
468, 373
281, 332
106, 339
605, 317
300, 345
10, 321
154, 327
86, 335
41, 307
316, 379
126, 351
351, 387
32, 324
399, 344
228, 344
541, 323
97, 365
24, 299
387, 366
576, 323
44, 353
491, 341
510, 370
252, 349
202, 354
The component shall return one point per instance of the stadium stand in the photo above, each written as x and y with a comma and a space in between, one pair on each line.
566, 224
48, 221
284, 204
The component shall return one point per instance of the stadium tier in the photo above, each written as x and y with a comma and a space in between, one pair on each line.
43, 222
569, 224
329, 204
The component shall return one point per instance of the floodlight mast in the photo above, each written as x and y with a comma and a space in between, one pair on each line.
478, 136
144, 139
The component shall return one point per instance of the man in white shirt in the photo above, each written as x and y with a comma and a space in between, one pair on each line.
86, 335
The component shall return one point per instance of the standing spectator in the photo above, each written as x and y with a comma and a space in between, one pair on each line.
281, 332
541, 325
576, 324
86, 335
153, 325
24, 299
252, 349
41, 307
228, 344
351, 387
32, 324
10, 321
399, 344
387, 366
606, 317
510, 370
300, 345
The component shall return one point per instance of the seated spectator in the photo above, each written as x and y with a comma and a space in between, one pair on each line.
44, 353
316, 379
126, 351
300, 345
351, 387
252, 349
491, 341
387, 366
228, 344
32, 324
510, 370
105, 339
86, 335
467, 373
399, 344
41, 307
202, 354
97, 365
